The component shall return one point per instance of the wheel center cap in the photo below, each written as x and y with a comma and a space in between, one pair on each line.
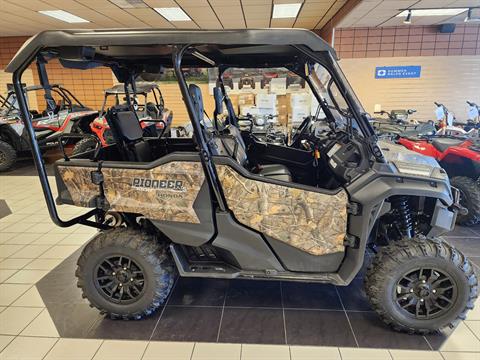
423, 290
122, 276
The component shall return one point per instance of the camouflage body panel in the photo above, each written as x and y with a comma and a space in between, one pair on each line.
79, 184
312, 222
166, 192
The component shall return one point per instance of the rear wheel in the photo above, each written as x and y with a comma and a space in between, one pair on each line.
421, 285
84, 145
8, 156
126, 274
469, 198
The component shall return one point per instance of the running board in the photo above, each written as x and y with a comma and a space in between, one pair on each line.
225, 271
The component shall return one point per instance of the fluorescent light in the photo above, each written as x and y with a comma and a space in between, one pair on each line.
433, 12
64, 16
129, 4
173, 14
282, 11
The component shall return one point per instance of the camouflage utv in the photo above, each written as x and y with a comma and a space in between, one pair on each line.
224, 204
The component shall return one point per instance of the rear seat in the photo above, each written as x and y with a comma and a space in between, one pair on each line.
128, 134
229, 142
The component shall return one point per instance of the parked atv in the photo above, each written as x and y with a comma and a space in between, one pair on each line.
398, 124
12, 136
154, 118
224, 205
460, 157
444, 116
473, 121
66, 115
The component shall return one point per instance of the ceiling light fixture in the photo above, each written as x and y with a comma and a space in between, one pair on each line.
173, 14
64, 16
129, 4
432, 12
408, 19
283, 11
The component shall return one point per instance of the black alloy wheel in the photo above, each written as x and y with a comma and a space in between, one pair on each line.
120, 279
426, 293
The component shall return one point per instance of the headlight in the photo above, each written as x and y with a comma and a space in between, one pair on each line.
413, 169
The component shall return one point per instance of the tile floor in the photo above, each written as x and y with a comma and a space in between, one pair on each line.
35, 325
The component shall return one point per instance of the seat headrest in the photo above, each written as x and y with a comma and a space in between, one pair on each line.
196, 95
125, 124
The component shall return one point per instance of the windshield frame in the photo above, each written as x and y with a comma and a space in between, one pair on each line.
330, 64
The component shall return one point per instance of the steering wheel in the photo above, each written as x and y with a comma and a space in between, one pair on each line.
301, 130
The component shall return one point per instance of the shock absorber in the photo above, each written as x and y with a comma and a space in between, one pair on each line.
405, 220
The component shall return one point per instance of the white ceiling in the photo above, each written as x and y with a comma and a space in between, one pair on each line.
21, 17
371, 13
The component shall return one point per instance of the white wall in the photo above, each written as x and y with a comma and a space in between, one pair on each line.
450, 80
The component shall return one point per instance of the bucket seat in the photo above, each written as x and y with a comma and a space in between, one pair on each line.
228, 141
128, 134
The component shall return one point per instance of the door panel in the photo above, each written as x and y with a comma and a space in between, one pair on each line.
310, 221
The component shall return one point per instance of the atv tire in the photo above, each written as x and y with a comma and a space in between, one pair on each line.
470, 198
126, 274
84, 145
8, 156
424, 262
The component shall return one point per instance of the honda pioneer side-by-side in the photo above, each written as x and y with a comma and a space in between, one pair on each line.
225, 204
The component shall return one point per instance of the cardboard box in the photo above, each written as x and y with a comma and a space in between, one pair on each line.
300, 99
278, 86
246, 99
298, 114
234, 100
266, 100
249, 109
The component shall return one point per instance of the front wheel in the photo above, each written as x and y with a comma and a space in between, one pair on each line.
125, 273
8, 156
421, 285
469, 198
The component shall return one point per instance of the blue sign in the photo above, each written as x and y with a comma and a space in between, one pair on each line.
398, 72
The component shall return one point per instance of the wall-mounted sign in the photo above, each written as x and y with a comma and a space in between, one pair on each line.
398, 72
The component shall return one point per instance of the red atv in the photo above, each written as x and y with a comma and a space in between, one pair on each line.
154, 119
460, 158
64, 115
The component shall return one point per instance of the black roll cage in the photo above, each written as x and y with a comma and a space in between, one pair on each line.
157, 95
205, 155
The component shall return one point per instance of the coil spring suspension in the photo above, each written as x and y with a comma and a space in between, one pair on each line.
405, 220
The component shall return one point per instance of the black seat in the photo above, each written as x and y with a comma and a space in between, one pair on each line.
220, 98
442, 144
128, 134
228, 141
